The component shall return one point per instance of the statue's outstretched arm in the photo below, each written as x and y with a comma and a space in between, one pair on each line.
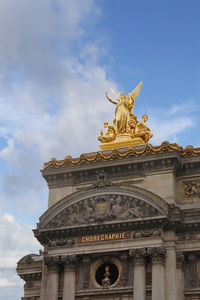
112, 101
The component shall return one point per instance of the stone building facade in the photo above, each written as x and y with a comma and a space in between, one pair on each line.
121, 225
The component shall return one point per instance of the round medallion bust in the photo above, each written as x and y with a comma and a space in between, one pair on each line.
106, 272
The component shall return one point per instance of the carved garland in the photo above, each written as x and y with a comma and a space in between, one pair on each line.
116, 154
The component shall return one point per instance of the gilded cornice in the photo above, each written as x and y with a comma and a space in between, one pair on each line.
148, 149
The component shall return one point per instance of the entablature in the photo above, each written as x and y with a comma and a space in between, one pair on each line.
130, 167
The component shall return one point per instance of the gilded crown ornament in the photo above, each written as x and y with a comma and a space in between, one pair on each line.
126, 130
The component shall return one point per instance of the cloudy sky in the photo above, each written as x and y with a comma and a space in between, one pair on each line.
57, 59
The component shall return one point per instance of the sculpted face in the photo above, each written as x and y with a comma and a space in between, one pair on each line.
130, 103
122, 96
144, 118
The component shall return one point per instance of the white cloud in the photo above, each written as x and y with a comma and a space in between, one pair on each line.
16, 241
185, 107
36, 35
11, 286
5, 282
8, 150
165, 129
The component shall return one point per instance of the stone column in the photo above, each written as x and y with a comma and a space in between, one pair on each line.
170, 274
180, 275
139, 279
52, 278
158, 275
70, 264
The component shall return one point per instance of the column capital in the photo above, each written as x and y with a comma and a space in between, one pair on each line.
70, 262
52, 263
180, 260
138, 256
158, 255
86, 259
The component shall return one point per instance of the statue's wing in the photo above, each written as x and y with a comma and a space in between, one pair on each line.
135, 92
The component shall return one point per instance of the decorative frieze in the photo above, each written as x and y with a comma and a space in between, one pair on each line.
61, 242
102, 237
146, 233
187, 236
191, 189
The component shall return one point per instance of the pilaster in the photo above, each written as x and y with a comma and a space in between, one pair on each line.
180, 275
86, 271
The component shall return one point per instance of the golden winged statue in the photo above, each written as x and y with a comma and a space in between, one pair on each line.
126, 130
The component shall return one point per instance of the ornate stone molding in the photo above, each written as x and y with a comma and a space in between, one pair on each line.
31, 277
138, 256
116, 154
180, 260
158, 255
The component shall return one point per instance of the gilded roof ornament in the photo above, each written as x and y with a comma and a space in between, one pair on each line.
148, 149
126, 130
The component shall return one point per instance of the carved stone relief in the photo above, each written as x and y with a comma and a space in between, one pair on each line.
103, 208
61, 242
193, 235
191, 190
146, 233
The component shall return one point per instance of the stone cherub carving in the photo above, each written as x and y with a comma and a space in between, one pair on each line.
126, 129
